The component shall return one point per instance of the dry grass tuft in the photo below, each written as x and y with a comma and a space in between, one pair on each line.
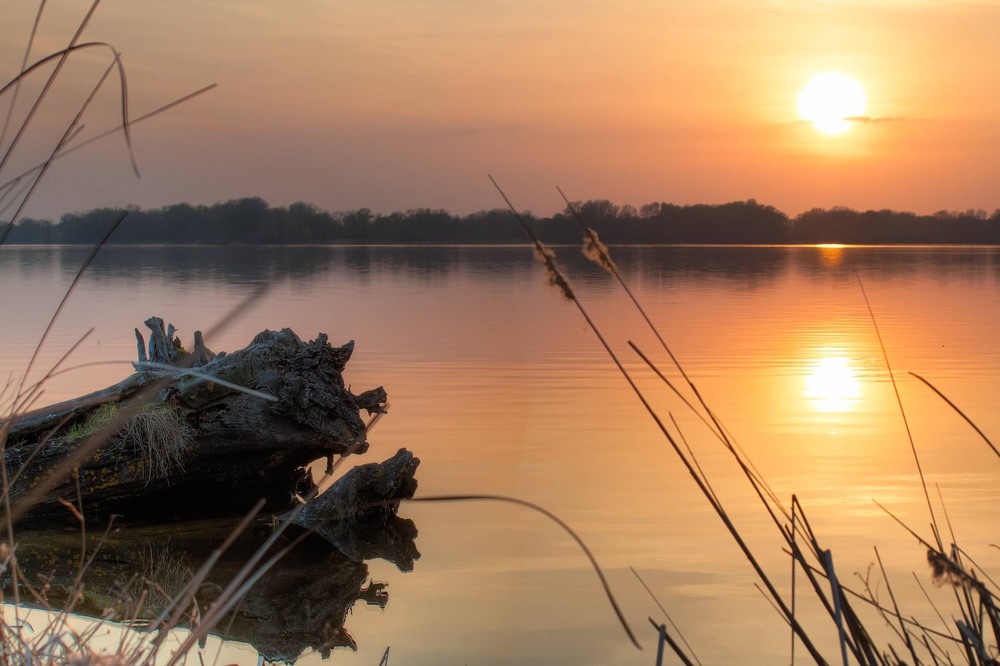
161, 436
164, 579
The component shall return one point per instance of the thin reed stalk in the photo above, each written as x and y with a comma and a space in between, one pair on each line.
566, 528
24, 65
556, 278
757, 483
61, 61
132, 122
666, 639
854, 638
666, 615
965, 416
902, 410
594, 249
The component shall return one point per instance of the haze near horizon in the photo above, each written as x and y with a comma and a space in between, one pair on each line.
395, 105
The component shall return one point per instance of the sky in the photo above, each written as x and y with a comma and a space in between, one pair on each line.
400, 104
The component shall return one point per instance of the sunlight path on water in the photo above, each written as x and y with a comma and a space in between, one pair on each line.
498, 387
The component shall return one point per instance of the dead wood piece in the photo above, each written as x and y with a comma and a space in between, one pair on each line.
230, 448
358, 513
165, 347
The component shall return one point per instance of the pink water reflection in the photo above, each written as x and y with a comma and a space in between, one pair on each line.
498, 386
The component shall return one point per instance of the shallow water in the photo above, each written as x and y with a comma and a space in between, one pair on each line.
499, 387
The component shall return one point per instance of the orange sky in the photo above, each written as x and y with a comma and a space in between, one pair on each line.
396, 104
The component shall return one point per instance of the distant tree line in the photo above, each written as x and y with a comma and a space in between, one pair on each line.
253, 221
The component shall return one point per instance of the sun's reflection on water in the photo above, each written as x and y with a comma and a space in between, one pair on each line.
832, 254
832, 384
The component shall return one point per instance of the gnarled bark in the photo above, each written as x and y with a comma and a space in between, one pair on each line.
174, 444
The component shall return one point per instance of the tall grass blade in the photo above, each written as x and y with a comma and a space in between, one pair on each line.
831, 575
902, 410
62, 56
24, 64
68, 150
930, 601
974, 645
549, 259
598, 252
960, 413
794, 545
70, 132
566, 528
72, 287
659, 646
34, 391
753, 475
692, 456
930, 651
666, 639
666, 615
902, 626
131, 123
175, 608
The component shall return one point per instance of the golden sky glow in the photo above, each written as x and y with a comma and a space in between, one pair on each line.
395, 104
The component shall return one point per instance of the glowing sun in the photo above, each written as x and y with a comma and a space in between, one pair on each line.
830, 100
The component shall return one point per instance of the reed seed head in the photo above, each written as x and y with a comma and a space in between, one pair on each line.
553, 275
597, 251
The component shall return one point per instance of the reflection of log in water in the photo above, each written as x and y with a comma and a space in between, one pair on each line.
301, 603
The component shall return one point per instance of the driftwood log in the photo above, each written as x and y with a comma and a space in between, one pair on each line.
301, 603
166, 444
358, 513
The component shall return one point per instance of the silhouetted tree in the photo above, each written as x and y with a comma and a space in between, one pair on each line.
251, 220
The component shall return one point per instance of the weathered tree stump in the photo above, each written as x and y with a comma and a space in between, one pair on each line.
171, 444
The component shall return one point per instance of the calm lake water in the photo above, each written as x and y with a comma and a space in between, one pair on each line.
498, 386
